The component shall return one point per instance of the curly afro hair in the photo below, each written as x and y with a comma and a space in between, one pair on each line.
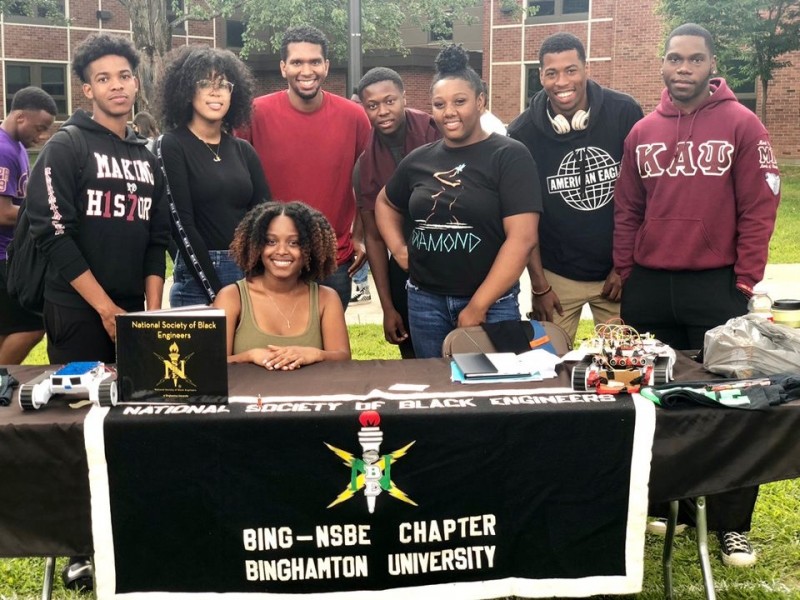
317, 239
99, 45
453, 63
186, 66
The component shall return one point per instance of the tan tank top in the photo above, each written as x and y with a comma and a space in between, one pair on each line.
248, 334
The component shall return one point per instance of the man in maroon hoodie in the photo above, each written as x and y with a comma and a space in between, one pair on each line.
695, 206
396, 131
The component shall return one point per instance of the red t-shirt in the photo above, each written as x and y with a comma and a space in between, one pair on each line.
310, 156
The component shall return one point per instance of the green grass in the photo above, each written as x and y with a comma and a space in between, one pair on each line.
367, 342
783, 248
775, 536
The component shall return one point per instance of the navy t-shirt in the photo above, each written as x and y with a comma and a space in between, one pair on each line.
455, 200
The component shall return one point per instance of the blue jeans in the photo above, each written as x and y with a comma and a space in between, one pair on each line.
186, 291
360, 277
340, 281
432, 316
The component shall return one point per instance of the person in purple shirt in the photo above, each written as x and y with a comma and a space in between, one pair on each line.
27, 124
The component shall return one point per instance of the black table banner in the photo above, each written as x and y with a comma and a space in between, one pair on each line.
472, 494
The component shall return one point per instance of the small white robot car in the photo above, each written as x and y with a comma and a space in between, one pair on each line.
92, 379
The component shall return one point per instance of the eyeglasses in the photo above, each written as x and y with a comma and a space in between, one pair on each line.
217, 84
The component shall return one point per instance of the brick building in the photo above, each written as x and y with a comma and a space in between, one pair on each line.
415, 66
623, 42
35, 51
624, 47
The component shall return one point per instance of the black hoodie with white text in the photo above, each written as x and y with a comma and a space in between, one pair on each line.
105, 212
577, 171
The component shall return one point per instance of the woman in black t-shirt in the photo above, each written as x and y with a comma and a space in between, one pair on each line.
214, 178
472, 202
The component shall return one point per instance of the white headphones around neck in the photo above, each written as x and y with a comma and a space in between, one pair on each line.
580, 121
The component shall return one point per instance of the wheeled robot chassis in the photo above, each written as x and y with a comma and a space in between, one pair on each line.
588, 375
92, 379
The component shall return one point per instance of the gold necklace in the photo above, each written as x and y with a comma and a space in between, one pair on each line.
217, 157
285, 318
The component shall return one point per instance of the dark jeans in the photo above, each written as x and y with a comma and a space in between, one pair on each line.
397, 289
186, 291
433, 316
678, 307
340, 281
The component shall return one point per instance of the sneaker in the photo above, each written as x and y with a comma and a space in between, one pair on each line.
362, 295
736, 549
659, 527
78, 575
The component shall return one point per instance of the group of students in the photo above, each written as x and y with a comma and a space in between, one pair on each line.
451, 214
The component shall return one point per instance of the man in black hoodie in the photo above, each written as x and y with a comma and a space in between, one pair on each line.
98, 212
575, 130
96, 207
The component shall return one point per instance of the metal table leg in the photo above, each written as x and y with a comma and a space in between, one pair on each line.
49, 573
702, 547
666, 564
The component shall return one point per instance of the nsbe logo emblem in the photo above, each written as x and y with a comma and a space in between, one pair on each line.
372, 472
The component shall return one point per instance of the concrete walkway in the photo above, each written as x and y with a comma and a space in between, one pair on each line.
780, 281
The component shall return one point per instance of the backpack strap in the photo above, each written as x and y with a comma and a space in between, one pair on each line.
183, 237
79, 144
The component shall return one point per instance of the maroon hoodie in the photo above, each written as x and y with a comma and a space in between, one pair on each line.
377, 162
697, 191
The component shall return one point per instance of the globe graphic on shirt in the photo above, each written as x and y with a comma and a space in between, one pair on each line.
590, 169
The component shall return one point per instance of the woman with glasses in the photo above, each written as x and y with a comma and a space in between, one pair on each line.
214, 178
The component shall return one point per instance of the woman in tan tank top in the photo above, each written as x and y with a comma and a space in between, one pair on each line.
277, 316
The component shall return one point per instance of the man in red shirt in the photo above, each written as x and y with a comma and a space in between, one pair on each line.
308, 141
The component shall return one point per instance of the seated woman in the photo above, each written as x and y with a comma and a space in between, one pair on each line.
278, 316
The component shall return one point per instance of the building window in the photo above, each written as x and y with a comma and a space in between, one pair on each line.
21, 11
746, 94
441, 32
51, 78
744, 87
533, 85
557, 10
175, 8
234, 34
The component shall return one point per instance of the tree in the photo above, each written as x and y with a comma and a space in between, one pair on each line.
266, 20
152, 35
151, 30
752, 37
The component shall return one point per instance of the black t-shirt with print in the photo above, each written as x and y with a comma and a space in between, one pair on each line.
456, 200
